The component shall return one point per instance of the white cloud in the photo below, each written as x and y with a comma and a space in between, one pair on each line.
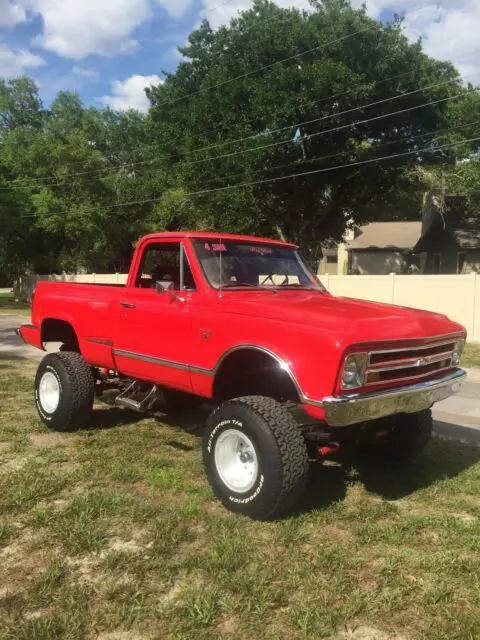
15, 63
175, 8
130, 93
78, 28
11, 13
84, 73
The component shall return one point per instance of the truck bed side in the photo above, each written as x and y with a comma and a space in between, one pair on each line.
89, 309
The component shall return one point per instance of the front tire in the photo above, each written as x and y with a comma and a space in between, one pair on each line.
255, 457
409, 433
64, 391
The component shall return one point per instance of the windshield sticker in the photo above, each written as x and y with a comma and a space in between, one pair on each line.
215, 247
263, 251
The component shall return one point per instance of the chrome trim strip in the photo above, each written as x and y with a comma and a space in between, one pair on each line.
347, 410
103, 341
212, 372
408, 363
160, 361
421, 347
417, 376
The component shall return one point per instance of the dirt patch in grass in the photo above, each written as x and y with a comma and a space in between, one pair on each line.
113, 533
48, 439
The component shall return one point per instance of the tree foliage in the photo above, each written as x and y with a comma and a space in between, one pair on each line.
275, 94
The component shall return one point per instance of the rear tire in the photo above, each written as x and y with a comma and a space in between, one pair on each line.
64, 391
255, 457
409, 435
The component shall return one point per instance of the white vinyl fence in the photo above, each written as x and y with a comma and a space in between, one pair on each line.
23, 287
458, 297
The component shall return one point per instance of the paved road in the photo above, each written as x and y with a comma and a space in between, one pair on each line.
457, 417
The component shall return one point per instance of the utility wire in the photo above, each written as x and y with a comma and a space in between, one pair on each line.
298, 163
325, 131
260, 116
291, 140
288, 177
287, 59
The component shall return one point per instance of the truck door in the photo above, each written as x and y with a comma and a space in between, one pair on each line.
153, 336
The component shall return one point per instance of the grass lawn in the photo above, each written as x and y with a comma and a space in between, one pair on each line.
8, 305
471, 355
113, 533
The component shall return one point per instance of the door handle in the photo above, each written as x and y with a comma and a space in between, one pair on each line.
127, 305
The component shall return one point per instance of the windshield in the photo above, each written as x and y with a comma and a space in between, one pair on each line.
228, 264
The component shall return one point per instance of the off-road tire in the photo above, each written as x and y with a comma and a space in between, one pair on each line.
281, 453
76, 383
410, 433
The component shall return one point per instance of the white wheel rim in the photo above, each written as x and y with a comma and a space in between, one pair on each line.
236, 461
49, 392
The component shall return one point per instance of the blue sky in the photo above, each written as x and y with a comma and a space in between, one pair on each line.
109, 50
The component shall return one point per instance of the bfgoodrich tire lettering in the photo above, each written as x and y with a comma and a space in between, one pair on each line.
280, 451
76, 389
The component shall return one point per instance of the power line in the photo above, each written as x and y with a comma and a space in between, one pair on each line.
344, 152
290, 176
333, 129
287, 59
335, 95
291, 140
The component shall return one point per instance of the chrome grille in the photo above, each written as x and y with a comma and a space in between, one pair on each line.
409, 363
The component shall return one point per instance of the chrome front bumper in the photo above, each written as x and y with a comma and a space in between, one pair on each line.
362, 407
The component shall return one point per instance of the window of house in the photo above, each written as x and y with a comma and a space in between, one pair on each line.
461, 257
437, 263
165, 263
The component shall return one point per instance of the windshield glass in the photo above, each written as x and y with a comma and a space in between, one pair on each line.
228, 264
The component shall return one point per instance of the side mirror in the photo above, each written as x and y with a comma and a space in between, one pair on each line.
163, 285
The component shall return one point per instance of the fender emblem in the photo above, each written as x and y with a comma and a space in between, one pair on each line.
205, 333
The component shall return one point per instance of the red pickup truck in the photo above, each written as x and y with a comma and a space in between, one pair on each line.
295, 373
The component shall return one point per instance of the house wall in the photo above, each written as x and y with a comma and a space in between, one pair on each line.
327, 266
377, 262
456, 296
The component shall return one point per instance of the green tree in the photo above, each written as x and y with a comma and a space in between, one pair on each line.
215, 97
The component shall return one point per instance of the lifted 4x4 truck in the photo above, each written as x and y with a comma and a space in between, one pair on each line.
295, 373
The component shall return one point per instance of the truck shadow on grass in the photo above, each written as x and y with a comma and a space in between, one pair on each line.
328, 482
441, 461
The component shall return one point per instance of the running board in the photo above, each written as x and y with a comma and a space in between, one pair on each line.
129, 398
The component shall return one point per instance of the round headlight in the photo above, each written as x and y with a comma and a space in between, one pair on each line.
353, 371
457, 352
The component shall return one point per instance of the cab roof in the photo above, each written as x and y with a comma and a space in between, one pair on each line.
207, 235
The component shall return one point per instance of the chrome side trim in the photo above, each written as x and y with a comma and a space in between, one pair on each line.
212, 372
160, 361
103, 341
352, 409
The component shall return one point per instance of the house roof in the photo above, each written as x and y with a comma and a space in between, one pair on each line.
387, 235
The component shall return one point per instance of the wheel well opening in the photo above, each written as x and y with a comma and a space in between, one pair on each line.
54, 330
252, 372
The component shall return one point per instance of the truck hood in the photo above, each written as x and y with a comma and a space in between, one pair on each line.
346, 320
